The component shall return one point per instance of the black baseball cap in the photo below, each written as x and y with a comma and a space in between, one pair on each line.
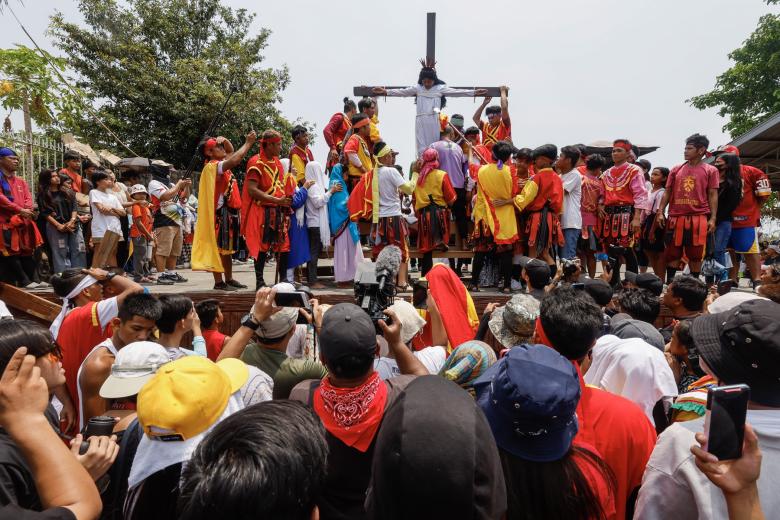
599, 290
538, 267
742, 345
650, 282
346, 330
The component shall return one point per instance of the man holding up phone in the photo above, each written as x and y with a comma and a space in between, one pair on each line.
739, 346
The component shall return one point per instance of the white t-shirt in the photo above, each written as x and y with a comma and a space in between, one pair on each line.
168, 208
389, 200
100, 222
432, 358
673, 487
572, 196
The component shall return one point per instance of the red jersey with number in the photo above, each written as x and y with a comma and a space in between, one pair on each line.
755, 186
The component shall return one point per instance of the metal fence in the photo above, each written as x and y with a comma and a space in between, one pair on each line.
36, 152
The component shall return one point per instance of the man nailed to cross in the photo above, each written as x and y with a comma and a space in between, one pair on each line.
429, 93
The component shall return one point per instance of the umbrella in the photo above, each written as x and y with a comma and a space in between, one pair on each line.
140, 164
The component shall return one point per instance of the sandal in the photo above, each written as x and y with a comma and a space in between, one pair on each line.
473, 288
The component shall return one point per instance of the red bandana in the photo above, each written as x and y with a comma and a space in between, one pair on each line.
352, 415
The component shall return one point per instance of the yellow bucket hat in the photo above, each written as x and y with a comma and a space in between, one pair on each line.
187, 396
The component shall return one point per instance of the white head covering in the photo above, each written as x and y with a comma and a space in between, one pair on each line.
730, 300
315, 172
155, 455
83, 284
411, 321
633, 369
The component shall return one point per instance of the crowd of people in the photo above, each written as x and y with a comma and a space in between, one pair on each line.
574, 399
565, 403
506, 203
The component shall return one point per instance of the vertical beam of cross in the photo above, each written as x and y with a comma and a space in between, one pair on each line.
430, 48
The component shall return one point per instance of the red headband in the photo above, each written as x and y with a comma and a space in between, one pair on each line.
210, 143
622, 144
361, 123
271, 140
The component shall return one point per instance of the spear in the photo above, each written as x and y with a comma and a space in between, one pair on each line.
212, 126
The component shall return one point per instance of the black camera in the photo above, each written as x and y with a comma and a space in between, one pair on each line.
569, 267
100, 426
374, 296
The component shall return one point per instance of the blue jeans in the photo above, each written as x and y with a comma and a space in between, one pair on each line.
67, 249
570, 237
722, 236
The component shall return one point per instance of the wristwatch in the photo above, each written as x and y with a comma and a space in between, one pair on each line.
249, 322
110, 276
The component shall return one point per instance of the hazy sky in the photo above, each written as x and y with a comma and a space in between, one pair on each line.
577, 71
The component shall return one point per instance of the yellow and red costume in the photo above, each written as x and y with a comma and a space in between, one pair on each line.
495, 227
374, 136
356, 145
335, 132
433, 195
299, 158
542, 200
217, 228
265, 225
493, 134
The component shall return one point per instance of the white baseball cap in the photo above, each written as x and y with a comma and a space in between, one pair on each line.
138, 188
135, 364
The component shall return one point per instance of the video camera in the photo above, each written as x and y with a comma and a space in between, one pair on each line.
375, 290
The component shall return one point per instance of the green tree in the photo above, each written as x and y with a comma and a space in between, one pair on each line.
749, 91
157, 71
28, 83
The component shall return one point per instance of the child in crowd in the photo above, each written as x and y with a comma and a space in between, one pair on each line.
211, 317
141, 235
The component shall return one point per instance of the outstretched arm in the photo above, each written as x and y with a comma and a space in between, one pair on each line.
236, 157
462, 92
395, 92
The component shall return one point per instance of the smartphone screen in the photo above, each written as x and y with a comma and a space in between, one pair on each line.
724, 424
291, 299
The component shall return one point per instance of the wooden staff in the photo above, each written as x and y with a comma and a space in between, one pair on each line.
473, 149
24, 301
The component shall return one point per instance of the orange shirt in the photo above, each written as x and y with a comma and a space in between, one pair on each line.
144, 216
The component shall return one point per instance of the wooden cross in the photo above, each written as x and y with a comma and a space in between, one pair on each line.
430, 55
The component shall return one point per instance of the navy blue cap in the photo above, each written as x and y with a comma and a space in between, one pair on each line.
530, 398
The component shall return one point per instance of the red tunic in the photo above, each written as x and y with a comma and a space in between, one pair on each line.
491, 135
335, 131
255, 215
617, 184
79, 333
550, 189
